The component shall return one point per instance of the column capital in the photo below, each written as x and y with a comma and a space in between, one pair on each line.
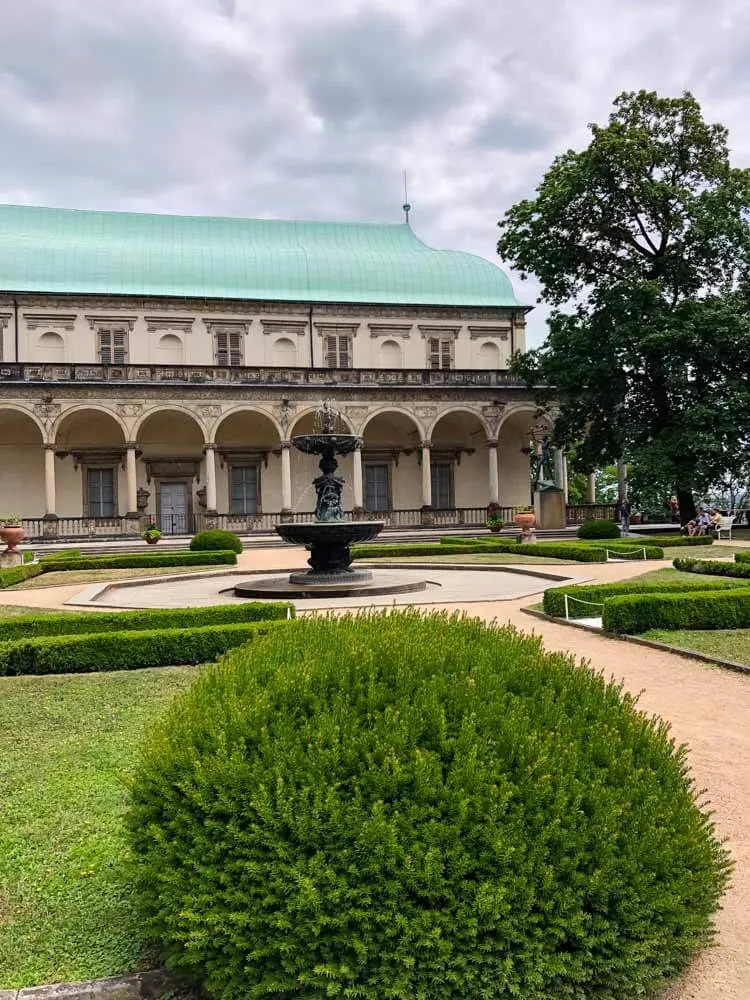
209, 446
492, 442
50, 446
426, 443
286, 444
131, 445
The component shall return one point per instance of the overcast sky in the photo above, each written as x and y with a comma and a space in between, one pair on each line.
290, 109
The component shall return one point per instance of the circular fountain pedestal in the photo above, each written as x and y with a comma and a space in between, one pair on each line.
328, 543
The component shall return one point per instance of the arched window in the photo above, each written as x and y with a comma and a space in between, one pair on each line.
284, 353
169, 350
489, 356
51, 348
390, 354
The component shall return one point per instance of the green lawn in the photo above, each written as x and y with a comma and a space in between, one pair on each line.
498, 558
731, 644
721, 551
66, 910
84, 576
17, 609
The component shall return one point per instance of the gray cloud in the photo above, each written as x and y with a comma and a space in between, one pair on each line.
314, 111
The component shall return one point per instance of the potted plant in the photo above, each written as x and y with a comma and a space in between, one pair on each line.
494, 521
11, 531
151, 535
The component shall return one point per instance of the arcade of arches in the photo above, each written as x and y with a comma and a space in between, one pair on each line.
172, 462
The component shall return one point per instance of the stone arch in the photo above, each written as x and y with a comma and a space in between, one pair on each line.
248, 462
252, 410
515, 440
303, 422
394, 409
51, 347
391, 456
459, 460
169, 408
457, 411
89, 464
92, 408
22, 453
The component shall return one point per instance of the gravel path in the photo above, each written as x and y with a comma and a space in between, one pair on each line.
708, 708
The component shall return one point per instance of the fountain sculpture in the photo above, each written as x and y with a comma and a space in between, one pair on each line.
328, 538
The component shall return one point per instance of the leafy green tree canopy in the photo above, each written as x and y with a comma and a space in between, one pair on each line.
643, 238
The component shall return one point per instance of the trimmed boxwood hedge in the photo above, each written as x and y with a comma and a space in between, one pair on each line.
594, 528
216, 539
75, 623
573, 551
713, 567
145, 560
62, 654
675, 541
554, 598
17, 574
703, 609
742, 557
411, 807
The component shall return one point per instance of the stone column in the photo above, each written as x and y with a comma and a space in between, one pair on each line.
591, 488
565, 477
49, 529
494, 481
132, 479
286, 480
210, 452
427, 514
357, 483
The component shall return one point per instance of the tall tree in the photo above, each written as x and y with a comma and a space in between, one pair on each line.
640, 243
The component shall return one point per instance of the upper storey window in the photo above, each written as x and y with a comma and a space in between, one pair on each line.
439, 353
228, 346
338, 351
112, 345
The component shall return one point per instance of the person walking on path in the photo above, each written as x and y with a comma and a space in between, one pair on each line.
625, 510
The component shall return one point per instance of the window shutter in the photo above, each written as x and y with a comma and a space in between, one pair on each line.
434, 353
228, 348
118, 347
235, 349
344, 353
105, 348
331, 353
445, 354
221, 349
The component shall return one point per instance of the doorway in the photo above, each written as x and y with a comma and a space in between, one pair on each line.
174, 508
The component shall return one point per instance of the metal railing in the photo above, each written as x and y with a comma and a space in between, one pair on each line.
243, 376
578, 513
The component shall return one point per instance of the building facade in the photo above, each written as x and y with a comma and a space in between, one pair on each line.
157, 368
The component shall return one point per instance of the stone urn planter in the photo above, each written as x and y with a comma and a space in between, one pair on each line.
12, 535
525, 520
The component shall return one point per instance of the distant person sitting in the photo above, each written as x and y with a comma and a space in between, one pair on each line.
674, 509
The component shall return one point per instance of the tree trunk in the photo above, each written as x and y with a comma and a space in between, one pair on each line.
687, 505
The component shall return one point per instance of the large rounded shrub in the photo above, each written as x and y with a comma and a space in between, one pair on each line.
418, 807
598, 529
216, 540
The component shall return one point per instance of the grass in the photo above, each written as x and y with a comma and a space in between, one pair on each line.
714, 551
497, 558
729, 644
66, 910
8, 610
83, 576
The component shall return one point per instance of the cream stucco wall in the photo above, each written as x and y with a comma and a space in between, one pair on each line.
184, 336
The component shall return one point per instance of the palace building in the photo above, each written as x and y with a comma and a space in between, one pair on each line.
155, 367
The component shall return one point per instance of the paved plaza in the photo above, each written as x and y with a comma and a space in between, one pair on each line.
707, 707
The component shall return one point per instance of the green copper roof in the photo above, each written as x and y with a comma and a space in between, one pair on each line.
119, 253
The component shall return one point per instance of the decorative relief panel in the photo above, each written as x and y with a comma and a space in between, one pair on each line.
209, 410
130, 409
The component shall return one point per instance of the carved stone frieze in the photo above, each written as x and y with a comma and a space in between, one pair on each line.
209, 410
47, 413
130, 409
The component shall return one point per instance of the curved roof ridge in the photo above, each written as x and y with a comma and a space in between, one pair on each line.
136, 253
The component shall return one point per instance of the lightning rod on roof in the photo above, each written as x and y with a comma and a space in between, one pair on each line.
406, 206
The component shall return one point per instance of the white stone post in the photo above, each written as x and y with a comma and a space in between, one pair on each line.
210, 451
50, 501
565, 477
494, 479
357, 484
591, 488
286, 480
132, 479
